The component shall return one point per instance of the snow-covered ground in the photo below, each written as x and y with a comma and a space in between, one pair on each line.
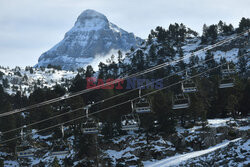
157, 150
175, 160
24, 80
218, 122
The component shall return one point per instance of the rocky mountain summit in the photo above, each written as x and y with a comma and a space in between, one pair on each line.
92, 35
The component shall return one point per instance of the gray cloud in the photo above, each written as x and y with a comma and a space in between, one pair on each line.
28, 28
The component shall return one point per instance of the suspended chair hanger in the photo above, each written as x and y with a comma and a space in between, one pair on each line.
188, 86
60, 148
130, 122
227, 80
24, 150
143, 105
180, 101
90, 126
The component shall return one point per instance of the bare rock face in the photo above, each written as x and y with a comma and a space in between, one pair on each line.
92, 35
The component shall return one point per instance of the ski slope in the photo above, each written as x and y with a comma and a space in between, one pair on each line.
175, 160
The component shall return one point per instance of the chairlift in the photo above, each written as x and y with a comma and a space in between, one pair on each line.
60, 148
227, 80
24, 150
130, 122
90, 126
143, 105
180, 101
227, 70
188, 86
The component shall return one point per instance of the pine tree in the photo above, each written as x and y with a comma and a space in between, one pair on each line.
150, 39
210, 63
152, 53
181, 63
31, 70
1, 75
119, 57
204, 34
78, 83
220, 26
55, 163
244, 24
102, 70
232, 102
112, 58
209, 33
89, 71
1, 162
244, 101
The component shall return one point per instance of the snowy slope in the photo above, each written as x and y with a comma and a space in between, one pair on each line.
136, 149
25, 79
175, 160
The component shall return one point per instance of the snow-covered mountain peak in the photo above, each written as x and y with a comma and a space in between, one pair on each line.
92, 37
90, 14
91, 20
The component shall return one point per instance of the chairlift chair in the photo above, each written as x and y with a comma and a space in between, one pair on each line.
180, 101
227, 80
188, 86
228, 70
90, 126
60, 148
130, 122
143, 105
24, 150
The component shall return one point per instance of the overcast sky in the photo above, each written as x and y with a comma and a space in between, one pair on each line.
30, 27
